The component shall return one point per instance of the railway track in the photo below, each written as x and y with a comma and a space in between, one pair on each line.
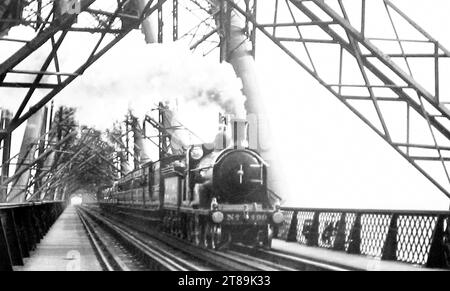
208, 259
237, 258
121, 250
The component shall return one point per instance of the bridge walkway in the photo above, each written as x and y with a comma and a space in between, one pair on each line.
66, 247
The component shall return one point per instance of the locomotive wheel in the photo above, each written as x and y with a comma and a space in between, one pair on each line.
212, 236
216, 236
165, 223
187, 226
196, 230
171, 226
203, 236
264, 237
178, 229
269, 237
190, 229
206, 235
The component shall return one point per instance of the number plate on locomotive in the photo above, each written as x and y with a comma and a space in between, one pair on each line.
233, 218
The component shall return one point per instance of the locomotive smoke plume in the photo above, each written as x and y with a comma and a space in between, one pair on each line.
137, 76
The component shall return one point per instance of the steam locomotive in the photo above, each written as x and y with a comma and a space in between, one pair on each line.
213, 195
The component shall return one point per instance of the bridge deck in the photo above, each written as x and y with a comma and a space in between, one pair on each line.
66, 247
341, 259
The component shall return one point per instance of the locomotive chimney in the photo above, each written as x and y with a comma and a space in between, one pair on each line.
232, 133
239, 133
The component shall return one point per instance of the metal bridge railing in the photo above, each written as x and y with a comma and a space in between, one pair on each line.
22, 226
416, 237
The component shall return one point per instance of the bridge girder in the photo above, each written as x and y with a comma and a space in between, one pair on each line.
105, 28
387, 79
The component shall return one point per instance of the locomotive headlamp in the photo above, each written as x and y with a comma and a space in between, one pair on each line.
277, 205
217, 217
214, 204
278, 217
197, 153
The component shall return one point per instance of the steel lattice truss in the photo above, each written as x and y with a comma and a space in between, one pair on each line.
86, 163
384, 88
70, 158
105, 22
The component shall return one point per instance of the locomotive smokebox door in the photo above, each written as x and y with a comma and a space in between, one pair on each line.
239, 177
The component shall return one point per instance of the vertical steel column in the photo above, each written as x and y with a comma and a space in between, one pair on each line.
437, 255
292, 232
339, 242
30, 229
27, 150
175, 20
38, 15
41, 148
123, 151
5, 258
436, 72
390, 244
237, 49
312, 235
160, 24
148, 30
4, 123
147, 27
12, 236
162, 139
140, 153
239, 53
64, 193
124, 165
24, 239
224, 30
127, 140
354, 246
253, 32
56, 193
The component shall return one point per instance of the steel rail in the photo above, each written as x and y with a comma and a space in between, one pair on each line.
155, 253
231, 260
99, 248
